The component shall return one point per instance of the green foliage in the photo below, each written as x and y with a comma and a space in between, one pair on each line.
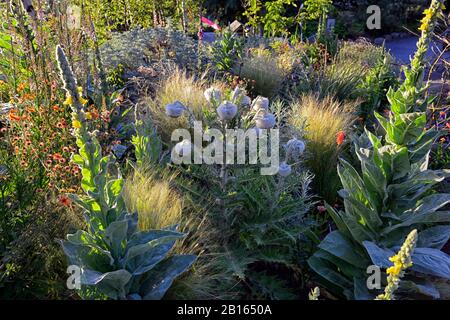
391, 196
375, 85
227, 51
275, 20
147, 144
252, 10
115, 77
317, 9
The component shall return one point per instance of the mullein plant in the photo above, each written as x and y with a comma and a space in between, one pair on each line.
259, 217
391, 196
115, 259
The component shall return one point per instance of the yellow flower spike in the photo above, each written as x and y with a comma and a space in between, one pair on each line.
88, 116
83, 100
76, 124
68, 101
402, 260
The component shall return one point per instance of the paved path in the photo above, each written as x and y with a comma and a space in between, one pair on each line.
403, 49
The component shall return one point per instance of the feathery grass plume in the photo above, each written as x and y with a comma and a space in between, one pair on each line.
314, 294
324, 119
402, 260
266, 73
156, 202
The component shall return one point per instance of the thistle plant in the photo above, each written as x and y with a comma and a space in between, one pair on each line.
115, 258
402, 260
259, 217
393, 193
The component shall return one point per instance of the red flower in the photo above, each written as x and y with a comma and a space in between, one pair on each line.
321, 209
340, 138
65, 201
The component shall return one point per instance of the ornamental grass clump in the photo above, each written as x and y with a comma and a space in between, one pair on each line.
115, 259
391, 195
325, 121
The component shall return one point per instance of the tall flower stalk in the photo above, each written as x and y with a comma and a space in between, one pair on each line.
402, 260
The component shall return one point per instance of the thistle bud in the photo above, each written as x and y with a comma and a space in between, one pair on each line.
284, 169
245, 101
212, 95
266, 121
295, 148
260, 103
227, 110
175, 110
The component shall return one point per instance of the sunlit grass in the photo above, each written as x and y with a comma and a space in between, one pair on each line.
325, 118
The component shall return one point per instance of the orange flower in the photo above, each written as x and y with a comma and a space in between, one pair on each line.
55, 108
448, 125
57, 156
13, 116
21, 86
340, 138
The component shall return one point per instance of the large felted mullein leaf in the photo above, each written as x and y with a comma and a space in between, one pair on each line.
434, 237
431, 261
142, 257
116, 236
160, 278
330, 273
89, 256
335, 244
434, 217
112, 284
415, 124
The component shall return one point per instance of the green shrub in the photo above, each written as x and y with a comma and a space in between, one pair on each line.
226, 51
265, 72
